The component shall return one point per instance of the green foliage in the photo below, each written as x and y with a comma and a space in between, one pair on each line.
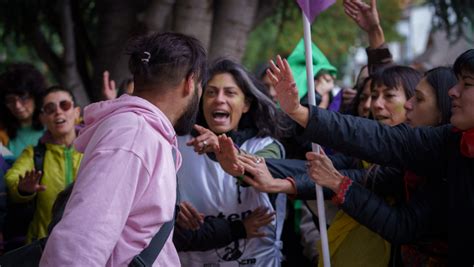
30, 31
333, 32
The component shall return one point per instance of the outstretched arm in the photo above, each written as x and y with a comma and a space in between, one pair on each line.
214, 233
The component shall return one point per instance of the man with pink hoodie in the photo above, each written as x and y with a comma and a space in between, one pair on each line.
126, 186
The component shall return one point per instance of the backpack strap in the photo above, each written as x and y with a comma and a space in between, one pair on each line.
148, 256
38, 156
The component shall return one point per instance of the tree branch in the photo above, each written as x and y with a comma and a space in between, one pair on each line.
44, 51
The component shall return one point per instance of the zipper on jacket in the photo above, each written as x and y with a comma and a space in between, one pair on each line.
68, 163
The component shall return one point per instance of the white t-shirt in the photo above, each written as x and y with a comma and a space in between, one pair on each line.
213, 192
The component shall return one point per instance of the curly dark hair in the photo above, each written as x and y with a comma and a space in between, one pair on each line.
263, 115
20, 79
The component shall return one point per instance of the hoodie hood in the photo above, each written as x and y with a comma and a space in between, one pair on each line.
95, 113
297, 62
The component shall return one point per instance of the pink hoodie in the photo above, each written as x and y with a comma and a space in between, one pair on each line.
125, 189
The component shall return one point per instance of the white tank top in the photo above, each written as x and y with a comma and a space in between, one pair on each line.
213, 192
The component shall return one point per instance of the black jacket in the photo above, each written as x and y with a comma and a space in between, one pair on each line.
430, 152
385, 181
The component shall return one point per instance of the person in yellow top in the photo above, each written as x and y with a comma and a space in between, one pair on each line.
61, 161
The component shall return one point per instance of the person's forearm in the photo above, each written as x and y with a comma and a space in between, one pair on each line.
300, 115
324, 101
284, 185
376, 37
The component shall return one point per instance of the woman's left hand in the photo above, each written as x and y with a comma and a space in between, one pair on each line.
322, 171
206, 142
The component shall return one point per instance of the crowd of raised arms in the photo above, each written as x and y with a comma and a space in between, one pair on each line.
197, 163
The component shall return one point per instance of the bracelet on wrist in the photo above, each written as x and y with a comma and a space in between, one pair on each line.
340, 195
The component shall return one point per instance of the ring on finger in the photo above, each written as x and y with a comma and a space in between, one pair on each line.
258, 160
204, 143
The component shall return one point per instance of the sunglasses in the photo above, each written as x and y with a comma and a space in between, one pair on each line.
10, 101
51, 107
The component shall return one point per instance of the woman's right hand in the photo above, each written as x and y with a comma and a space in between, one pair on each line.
30, 183
205, 142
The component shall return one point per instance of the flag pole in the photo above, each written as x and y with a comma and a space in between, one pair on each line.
316, 147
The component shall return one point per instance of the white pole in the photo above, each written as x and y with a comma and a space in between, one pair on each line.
312, 101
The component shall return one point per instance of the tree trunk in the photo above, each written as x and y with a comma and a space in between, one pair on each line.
265, 9
117, 22
70, 77
232, 24
157, 15
194, 18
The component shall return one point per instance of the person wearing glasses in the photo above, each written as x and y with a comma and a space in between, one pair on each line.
21, 86
61, 161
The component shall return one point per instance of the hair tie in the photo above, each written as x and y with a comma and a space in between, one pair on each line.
147, 57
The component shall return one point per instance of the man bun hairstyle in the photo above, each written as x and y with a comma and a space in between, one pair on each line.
165, 59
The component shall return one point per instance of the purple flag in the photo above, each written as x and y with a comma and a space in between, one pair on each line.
312, 8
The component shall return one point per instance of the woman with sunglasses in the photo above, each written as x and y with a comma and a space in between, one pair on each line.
61, 160
21, 86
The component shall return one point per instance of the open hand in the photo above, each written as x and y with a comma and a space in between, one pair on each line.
228, 156
188, 217
108, 86
206, 142
30, 183
282, 79
324, 84
258, 218
348, 95
366, 16
262, 179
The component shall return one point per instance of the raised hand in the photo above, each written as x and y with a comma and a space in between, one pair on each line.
366, 16
228, 156
30, 183
348, 95
108, 86
206, 142
258, 218
188, 217
282, 79
324, 84
287, 94
322, 171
